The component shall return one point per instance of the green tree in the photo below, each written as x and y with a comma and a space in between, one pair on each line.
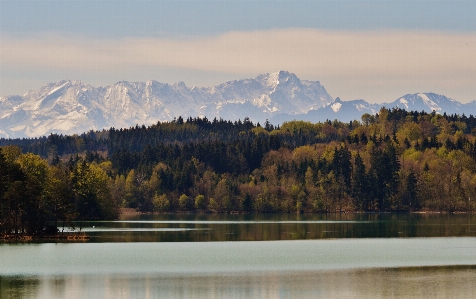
131, 190
247, 203
359, 184
411, 184
90, 185
222, 197
184, 202
12, 187
200, 202
161, 203
34, 201
59, 200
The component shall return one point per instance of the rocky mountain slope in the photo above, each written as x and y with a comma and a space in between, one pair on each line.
69, 107
72, 107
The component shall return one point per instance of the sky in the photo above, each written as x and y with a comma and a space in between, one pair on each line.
371, 50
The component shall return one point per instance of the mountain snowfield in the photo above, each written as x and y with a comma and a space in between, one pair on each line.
72, 107
350, 110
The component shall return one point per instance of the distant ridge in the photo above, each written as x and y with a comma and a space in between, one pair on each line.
72, 107
353, 110
69, 107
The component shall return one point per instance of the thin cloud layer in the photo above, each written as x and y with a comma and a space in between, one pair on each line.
373, 65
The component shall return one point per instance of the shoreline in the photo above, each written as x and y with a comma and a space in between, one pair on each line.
62, 236
132, 212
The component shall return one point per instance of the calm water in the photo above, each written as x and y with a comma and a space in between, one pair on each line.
212, 227
284, 256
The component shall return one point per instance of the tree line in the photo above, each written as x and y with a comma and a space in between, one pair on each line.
36, 196
394, 160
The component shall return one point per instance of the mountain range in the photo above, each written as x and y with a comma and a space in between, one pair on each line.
72, 107
351, 110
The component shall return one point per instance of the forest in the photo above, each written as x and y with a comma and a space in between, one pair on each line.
393, 161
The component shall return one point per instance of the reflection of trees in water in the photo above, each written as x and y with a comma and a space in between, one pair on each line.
18, 287
262, 227
412, 282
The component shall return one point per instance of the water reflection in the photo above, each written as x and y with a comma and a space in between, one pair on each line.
305, 256
233, 257
213, 227
435, 282
19, 287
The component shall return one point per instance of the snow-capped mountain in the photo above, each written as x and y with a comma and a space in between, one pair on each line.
353, 110
71, 107
428, 102
337, 109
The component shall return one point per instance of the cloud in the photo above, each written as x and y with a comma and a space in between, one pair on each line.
350, 62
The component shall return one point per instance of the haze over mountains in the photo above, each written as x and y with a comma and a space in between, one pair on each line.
72, 107
350, 110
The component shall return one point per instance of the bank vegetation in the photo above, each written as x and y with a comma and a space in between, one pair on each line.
393, 161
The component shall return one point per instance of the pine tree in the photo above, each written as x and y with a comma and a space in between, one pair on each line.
360, 191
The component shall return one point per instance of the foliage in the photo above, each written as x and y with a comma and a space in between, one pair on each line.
34, 193
394, 160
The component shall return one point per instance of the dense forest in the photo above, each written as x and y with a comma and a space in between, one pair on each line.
391, 161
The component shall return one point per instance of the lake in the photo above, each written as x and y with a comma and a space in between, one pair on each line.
251, 256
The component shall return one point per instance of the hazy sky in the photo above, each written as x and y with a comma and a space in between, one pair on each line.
372, 50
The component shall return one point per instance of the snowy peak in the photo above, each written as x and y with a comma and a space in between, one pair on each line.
272, 80
272, 93
353, 110
70, 107
336, 105
427, 102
